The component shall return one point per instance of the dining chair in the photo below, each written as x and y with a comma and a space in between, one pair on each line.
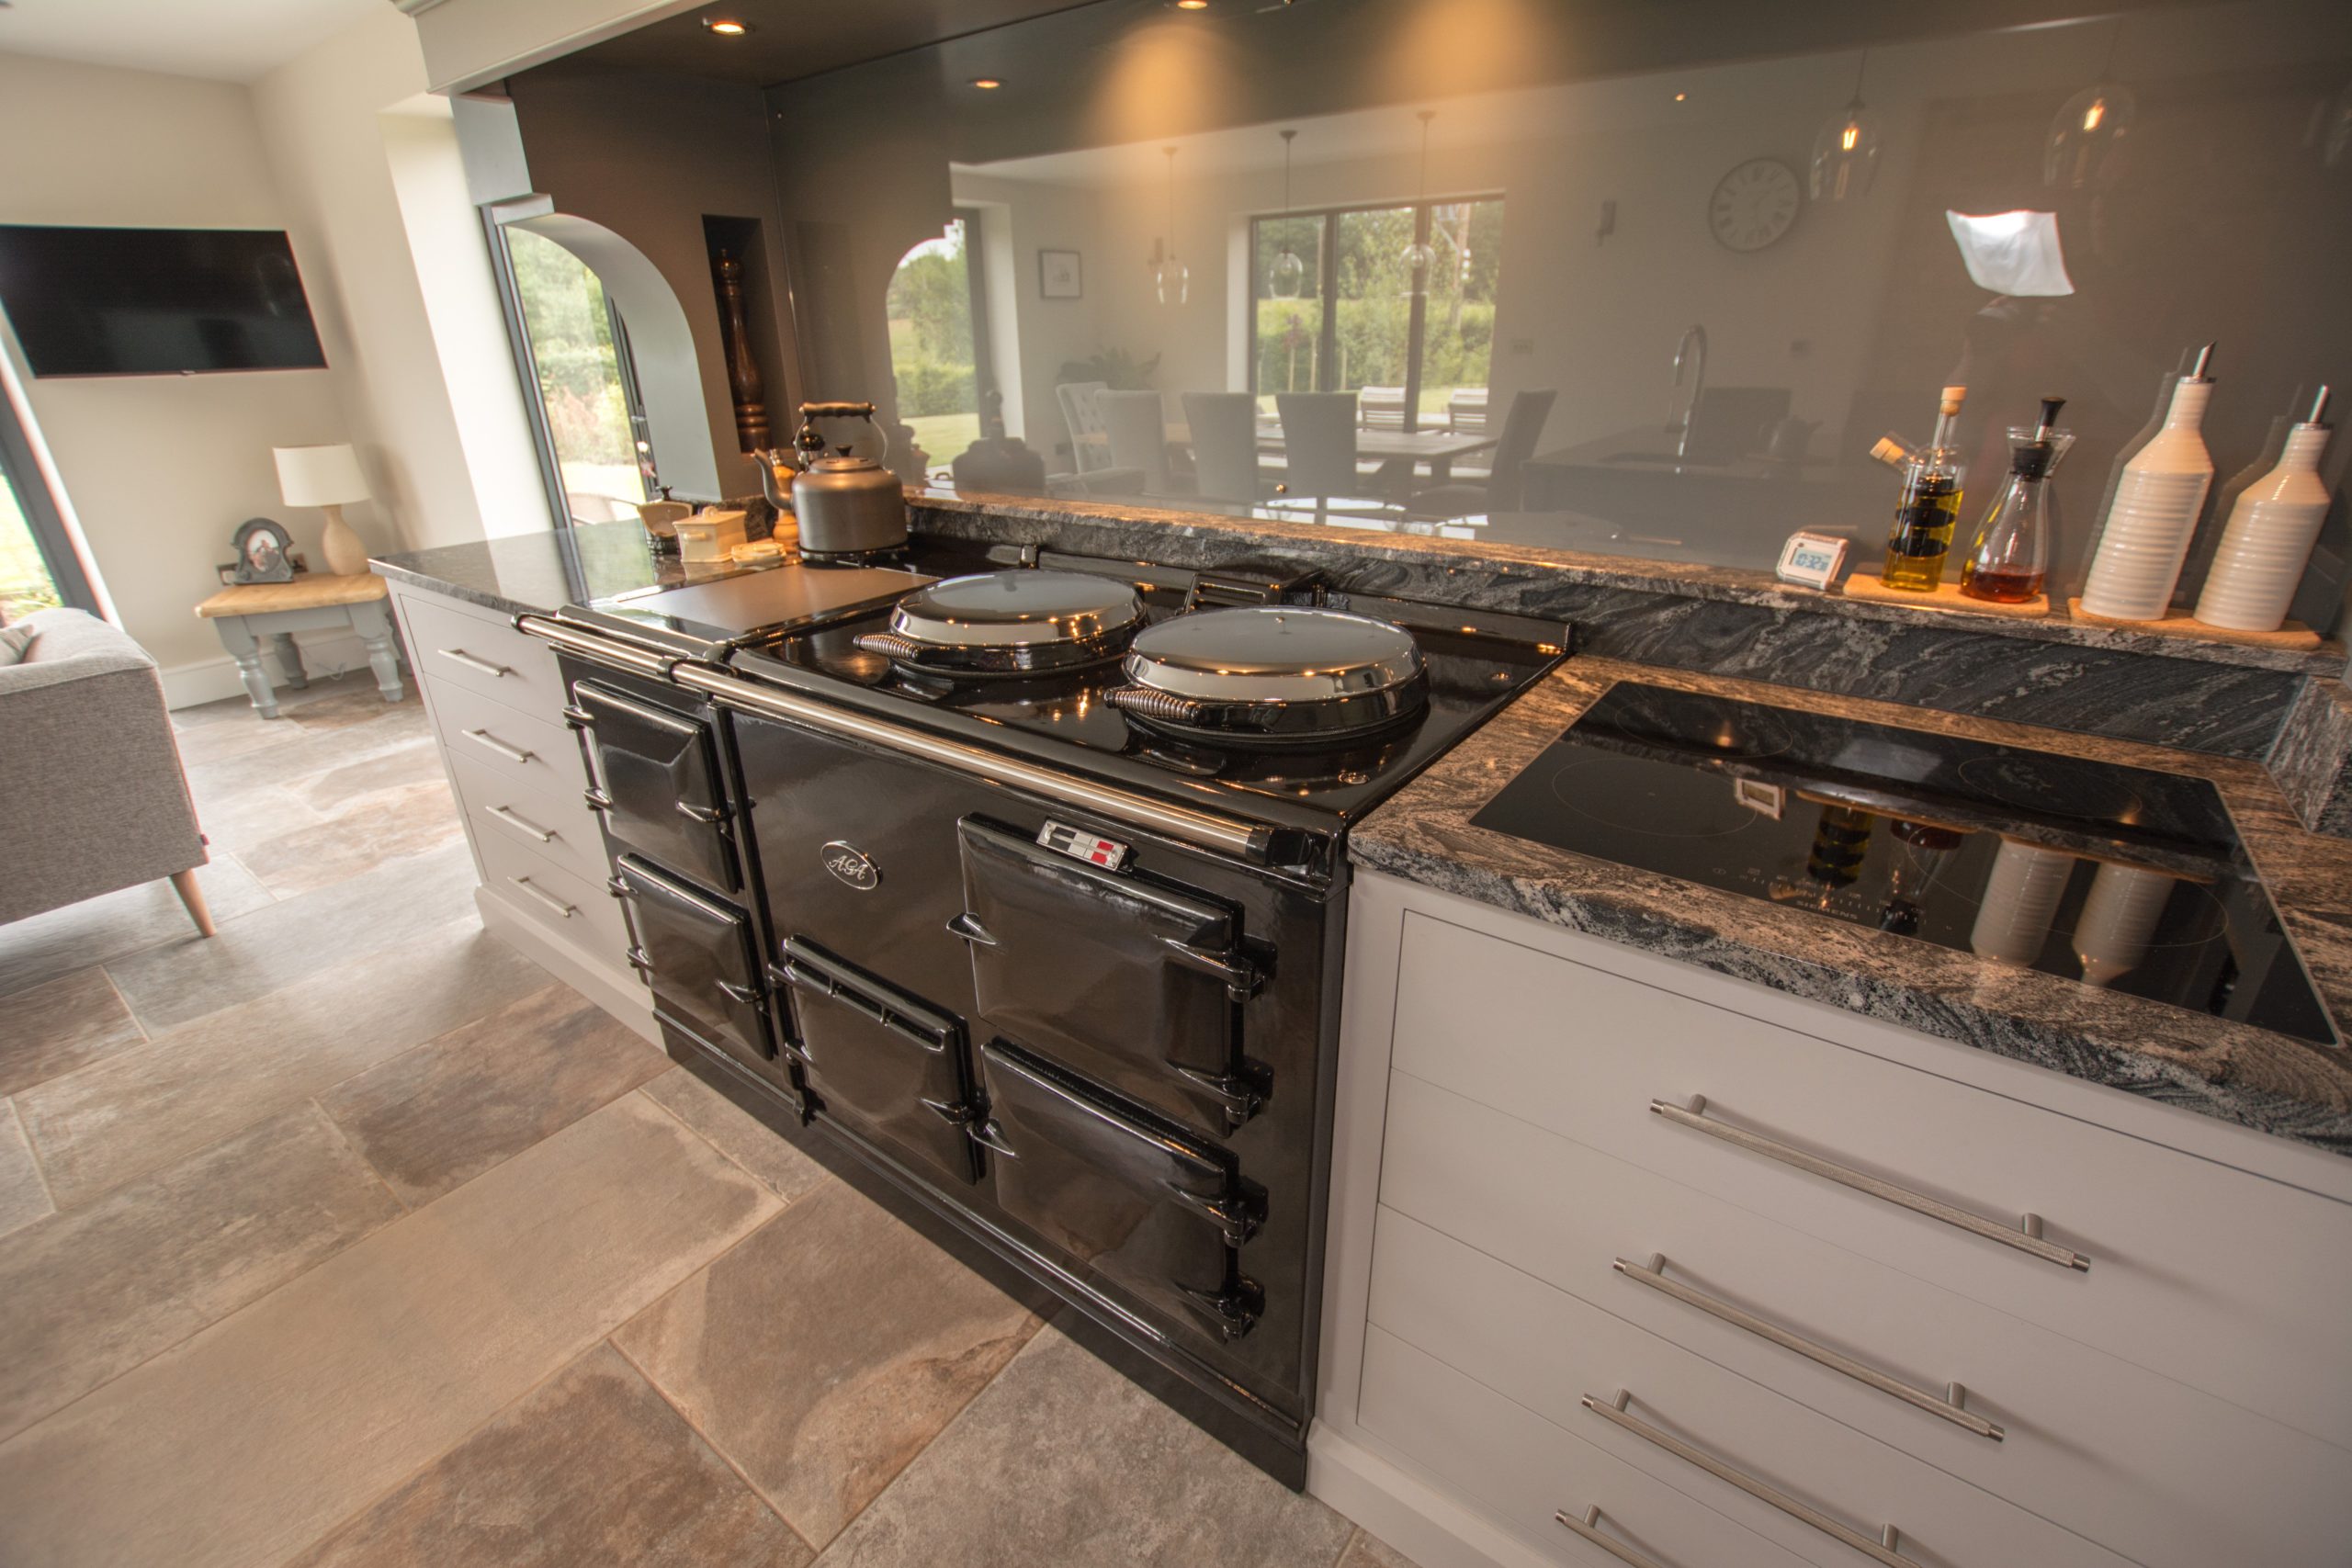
1137, 426
1506, 486
1382, 408
1319, 441
1087, 449
1225, 443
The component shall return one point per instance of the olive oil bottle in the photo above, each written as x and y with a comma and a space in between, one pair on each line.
1929, 507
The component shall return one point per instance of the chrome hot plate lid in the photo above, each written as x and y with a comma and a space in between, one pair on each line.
1011, 622
1273, 673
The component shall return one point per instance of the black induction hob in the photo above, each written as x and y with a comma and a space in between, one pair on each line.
2112, 876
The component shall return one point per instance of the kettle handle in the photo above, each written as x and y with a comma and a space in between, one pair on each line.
811, 442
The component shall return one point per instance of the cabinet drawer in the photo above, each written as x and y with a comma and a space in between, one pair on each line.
453, 648
2166, 1475
558, 826
582, 912
1508, 1330
2228, 1281
1524, 1470
532, 748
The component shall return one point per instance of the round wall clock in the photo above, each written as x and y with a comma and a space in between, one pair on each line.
1754, 205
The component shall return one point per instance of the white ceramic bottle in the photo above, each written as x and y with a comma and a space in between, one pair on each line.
2119, 917
2155, 512
2260, 561
2020, 898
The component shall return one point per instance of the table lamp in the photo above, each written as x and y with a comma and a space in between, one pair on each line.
326, 476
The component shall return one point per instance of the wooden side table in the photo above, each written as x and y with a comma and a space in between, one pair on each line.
246, 613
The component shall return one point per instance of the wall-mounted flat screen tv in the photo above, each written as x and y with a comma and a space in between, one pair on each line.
155, 301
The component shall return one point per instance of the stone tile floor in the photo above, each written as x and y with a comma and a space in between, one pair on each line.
350, 1238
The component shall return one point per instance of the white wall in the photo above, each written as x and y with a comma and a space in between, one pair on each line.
160, 469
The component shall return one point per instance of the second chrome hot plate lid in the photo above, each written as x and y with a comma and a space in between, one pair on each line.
1011, 622
1273, 670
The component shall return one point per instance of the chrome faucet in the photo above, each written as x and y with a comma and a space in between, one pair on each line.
1690, 355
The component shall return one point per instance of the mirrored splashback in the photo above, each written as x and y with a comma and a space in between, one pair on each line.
1640, 279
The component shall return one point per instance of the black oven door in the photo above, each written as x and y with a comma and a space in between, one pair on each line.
657, 783
887, 1064
699, 957
1124, 976
1153, 1210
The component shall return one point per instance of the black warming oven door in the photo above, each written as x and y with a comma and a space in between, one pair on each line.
1122, 975
699, 956
656, 784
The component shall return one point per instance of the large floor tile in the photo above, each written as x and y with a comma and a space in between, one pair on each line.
353, 699
1368, 1550
1063, 1463
87, 1295
254, 1438
97, 931
389, 825
865, 1339
738, 1135
63, 1024
592, 1468
411, 762
294, 938
24, 1197
433, 1117
133, 1113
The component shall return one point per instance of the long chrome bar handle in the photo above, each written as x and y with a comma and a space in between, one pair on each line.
522, 824
479, 666
1949, 1406
601, 649
2025, 1236
490, 742
1589, 1527
1882, 1551
525, 884
1205, 829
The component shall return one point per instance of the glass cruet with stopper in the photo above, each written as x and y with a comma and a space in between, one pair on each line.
2011, 556
1921, 536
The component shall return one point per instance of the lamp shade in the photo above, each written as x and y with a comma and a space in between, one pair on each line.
320, 476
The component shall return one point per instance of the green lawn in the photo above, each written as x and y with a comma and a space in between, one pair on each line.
945, 436
24, 576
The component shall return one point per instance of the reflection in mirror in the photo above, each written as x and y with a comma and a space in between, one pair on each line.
1638, 279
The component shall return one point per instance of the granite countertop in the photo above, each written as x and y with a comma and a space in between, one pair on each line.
2225, 1069
539, 573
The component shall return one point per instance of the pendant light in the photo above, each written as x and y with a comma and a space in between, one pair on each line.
1289, 270
2089, 127
1171, 280
1845, 155
1420, 256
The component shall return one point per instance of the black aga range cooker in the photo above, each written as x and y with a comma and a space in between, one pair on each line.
1022, 877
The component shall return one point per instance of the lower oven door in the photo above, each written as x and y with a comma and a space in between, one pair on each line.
885, 1063
1121, 975
657, 782
698, 954
1161, 1214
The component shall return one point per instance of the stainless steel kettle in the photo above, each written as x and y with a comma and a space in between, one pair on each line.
845, 505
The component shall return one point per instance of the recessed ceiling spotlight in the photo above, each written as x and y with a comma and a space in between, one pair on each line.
987, 83
1679, 97
727, 26
1191, 5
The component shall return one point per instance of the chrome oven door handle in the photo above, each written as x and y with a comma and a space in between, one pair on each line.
1589, 1527
1951, 1405
1241, 976
1882, 1550
2025, 1236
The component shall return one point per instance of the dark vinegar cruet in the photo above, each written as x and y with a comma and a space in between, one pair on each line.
2007, 563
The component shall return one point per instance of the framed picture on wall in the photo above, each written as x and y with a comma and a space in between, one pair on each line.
1059, 276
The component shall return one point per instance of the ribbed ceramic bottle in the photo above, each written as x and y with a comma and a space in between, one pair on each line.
2269, 535
2019, 901
2154, 513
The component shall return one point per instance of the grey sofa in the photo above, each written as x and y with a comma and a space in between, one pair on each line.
92, 797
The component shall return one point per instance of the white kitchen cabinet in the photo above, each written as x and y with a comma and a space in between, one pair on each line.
496, 701
1508, 1205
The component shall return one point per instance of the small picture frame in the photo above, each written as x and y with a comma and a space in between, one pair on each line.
1060, 275
264, 552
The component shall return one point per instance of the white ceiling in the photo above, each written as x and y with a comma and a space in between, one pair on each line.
230, 40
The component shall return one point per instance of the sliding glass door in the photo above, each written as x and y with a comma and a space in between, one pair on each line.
1415, 345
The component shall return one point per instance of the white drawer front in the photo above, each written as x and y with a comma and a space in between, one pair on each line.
535, 749
1550, 1350
2226, 1281
583, 913
2164, 1473
556, 823
455, 647
1525, 1470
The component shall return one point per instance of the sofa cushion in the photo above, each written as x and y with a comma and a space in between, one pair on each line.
14, 639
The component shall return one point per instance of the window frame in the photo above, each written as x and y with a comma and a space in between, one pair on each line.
20, 470
1326, 286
